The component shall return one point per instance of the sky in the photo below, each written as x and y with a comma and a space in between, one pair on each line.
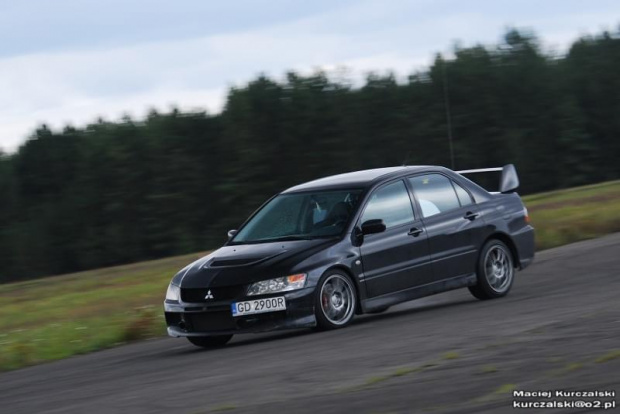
69, 62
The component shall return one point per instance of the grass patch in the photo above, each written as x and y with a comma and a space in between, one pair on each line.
581, 213
375, 380
489, 369
615, 354
505, 389
451, 355
399, 372
405, 371
573, 366
496, 394
57, 317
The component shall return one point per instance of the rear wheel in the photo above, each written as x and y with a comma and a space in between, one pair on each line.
335, 301
209, 341
495, 271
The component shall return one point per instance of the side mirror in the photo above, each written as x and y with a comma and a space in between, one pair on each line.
373, 226
232, 233
509, 181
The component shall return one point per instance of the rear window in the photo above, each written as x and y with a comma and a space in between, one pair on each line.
435, 194
463, 195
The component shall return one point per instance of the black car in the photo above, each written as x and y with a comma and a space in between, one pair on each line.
320, 252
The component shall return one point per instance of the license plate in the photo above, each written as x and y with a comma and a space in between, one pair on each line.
258, 306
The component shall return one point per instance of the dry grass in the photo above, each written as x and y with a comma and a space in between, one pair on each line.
567, 216
56, 317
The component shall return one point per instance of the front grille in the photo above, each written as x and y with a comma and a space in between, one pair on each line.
208, 322
218, 293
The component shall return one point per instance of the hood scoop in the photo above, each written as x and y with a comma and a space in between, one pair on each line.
241, 261
234, 262
240, 256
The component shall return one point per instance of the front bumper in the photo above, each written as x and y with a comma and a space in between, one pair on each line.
200, 319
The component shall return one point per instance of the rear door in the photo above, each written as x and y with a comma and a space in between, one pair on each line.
398, 258
452, 223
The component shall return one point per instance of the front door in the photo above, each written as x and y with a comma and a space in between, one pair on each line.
398, 258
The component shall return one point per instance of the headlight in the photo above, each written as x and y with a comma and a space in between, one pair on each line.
280, 284
173, 292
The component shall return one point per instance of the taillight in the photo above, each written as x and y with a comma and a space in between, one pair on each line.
526, 215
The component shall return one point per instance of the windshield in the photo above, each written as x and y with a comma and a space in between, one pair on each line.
300, 216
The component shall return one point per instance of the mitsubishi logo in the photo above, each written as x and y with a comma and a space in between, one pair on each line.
209, 295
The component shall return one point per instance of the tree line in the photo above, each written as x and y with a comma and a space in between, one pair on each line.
119, 192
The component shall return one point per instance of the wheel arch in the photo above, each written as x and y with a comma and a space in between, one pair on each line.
507, 240
356, 283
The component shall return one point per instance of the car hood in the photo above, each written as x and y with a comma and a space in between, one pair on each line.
248, 263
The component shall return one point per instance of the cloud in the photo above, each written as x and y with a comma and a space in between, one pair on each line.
76, 85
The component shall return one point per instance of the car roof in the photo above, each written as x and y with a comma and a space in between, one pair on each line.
358, 179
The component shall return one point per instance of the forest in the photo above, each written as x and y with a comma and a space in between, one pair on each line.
118, 192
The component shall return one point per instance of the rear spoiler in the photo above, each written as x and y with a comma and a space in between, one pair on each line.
509, 180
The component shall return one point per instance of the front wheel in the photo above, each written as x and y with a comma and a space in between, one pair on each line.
209, 341
335, 301
495, 271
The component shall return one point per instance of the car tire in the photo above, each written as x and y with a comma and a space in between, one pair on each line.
335, 301
495, 271
209, 341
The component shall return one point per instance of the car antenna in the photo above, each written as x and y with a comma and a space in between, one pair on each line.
406, 159
446, 99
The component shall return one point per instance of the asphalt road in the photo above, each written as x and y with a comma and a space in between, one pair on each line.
557, 330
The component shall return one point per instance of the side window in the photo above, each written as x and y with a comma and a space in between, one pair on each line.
463, 195
435, 194
390, 204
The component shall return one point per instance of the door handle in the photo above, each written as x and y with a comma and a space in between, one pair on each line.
470, 216
415, 232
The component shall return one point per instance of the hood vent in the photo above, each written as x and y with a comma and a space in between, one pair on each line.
233, 262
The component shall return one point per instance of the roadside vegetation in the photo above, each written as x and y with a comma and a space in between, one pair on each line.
126, 191
57, 317
570, 215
